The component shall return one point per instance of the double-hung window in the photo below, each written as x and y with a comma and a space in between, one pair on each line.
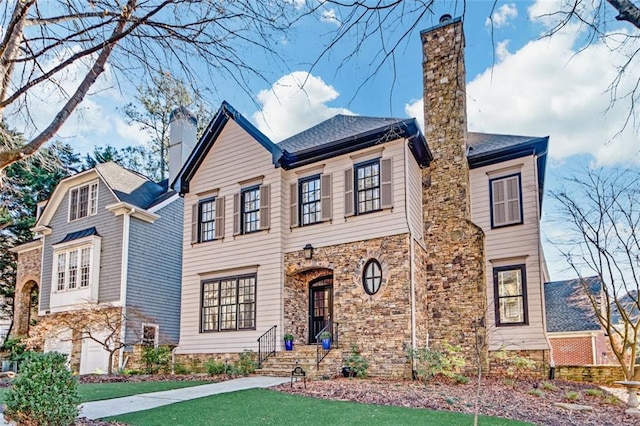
207, 219
367, 180
506, 201
368, 187
83, 201
510, 295
229, 304
310, 201
251, 207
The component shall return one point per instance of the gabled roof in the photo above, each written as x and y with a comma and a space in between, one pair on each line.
484, 149
336, 136
567, 306
126, 186
202, 148
129, 186
347, 133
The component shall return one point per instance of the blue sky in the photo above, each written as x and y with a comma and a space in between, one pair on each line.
517, 83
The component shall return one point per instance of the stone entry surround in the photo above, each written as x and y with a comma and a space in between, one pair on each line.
379, 324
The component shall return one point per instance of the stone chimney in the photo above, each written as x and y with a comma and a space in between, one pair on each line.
182, 139
455, 289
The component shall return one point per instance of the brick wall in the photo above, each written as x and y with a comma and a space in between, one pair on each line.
572, 350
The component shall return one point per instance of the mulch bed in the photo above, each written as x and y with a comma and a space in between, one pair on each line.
498, 398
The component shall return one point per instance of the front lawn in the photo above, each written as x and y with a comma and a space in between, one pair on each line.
99, 391
263, 407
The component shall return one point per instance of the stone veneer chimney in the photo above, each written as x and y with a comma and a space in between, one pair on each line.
182, 139
455, 280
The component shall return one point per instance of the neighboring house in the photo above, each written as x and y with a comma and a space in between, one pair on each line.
576, 336
110, 239
364, 227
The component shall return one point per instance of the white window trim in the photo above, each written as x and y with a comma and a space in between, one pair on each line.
92, 242
155, 337
90, 211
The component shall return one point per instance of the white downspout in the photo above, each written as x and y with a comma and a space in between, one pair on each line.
594, 349
411, 256
123, 282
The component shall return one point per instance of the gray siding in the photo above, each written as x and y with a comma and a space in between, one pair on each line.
155, 273
109, 227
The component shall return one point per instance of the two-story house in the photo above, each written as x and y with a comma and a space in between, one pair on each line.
366, 228
110, 248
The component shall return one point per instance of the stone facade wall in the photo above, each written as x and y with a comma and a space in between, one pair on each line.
195, 362
380, 324
455, 284
27, 279
506, 363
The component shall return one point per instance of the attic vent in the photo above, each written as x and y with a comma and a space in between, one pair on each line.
445, 19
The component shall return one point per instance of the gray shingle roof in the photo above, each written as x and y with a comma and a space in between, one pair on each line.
335, 129
79, 234
129, 186
481, 144
567, 307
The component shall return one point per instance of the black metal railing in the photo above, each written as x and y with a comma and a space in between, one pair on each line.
334, 340
266, 345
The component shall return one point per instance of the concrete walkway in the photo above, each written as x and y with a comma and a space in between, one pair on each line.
145, 401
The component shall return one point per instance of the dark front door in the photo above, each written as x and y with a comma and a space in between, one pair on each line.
320, 305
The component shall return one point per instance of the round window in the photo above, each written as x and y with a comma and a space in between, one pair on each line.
372, 276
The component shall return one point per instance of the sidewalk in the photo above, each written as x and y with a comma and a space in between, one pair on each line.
145, 401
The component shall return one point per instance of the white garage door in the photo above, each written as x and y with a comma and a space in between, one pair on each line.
94, 358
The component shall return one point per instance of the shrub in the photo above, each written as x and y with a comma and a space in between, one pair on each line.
181, 369
517, 365
156, 359
213, 368
432, 362
535, 392
594, 392
611, 400
549, 386
44, 393
357, 363
246, 364
572, 395
460, 379
16, 349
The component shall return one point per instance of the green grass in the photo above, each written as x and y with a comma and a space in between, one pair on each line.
266, 407
99, 391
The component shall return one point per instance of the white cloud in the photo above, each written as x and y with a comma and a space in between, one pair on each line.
548, 88
294, 103
415, 109
329, 15
501, 17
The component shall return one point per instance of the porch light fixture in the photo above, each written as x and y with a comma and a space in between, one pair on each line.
308, 251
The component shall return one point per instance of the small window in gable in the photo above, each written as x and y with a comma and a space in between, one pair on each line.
372, 276
506, 201
83, 201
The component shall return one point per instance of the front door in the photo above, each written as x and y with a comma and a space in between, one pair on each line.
320, 305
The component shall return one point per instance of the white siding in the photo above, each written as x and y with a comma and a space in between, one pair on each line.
235, 157
354, 228
510, 242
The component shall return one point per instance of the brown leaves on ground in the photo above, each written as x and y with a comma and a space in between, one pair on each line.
525, 400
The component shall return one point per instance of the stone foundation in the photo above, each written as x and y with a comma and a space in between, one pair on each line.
195, 362
504, 363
